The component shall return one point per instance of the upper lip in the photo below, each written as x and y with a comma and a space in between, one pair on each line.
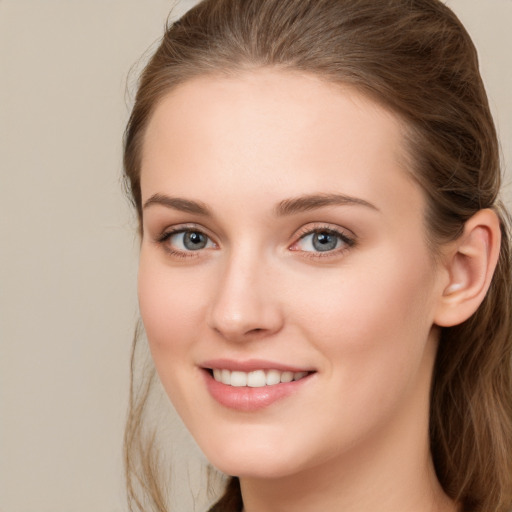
251, 365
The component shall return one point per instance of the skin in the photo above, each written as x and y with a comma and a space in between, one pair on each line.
354, 437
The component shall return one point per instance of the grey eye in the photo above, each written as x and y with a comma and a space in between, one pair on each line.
322, 241
325, 241
190, 241
193, 240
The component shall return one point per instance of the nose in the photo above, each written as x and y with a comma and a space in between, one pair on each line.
245, 306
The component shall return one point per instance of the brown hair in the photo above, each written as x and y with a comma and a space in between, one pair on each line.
414, 57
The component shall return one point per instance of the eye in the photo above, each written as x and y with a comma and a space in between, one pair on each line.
181, 241
189, 240
320, 242
323, 240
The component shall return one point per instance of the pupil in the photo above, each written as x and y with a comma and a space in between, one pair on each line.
194, 241
324, 241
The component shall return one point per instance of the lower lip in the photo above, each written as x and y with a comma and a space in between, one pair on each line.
249, 399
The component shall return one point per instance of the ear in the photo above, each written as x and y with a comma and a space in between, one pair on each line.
470, 263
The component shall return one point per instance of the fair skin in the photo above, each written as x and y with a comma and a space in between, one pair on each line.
281, 231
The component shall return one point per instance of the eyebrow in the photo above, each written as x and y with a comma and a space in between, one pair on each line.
286, 207
314, 201
178, 203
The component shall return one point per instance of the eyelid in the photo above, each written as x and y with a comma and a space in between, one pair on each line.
179, 228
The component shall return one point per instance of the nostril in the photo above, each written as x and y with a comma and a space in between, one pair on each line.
244, 321
255, 332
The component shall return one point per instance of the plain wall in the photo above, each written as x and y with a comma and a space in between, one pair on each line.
68, 248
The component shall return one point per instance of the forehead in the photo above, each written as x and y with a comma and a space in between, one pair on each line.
274, 134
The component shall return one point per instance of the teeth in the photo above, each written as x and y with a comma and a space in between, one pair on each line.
286, 376
273, 377
255, 379
238, 379
226, 377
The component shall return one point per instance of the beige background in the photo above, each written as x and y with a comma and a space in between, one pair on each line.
67, 245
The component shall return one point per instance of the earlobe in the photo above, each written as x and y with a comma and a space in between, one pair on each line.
470, 264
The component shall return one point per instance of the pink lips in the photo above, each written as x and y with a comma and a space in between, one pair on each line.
248, 399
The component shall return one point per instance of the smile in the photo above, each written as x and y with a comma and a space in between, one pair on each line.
250, 386
257, 378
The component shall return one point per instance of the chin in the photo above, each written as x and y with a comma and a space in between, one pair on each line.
266, 460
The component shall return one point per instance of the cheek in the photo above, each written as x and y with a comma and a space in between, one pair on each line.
376, 314
171, 306
373, 328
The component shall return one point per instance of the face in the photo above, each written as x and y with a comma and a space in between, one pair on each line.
285, 283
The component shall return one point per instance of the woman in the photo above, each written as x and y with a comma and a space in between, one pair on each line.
325, 265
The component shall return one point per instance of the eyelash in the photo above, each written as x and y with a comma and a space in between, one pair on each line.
347, 241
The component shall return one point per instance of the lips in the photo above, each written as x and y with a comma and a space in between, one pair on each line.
252, 385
